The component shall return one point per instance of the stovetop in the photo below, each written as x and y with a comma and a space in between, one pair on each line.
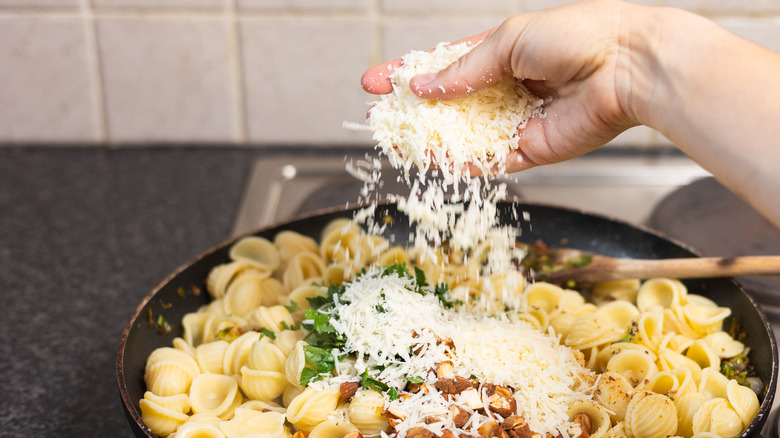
617, 184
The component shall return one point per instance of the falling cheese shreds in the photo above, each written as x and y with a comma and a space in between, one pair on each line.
480, 129
391, 327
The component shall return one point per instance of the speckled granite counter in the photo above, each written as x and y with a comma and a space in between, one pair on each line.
85, 234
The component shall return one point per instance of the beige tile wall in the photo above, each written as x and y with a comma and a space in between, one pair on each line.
255, 72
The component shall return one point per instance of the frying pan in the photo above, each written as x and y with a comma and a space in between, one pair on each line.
184, 290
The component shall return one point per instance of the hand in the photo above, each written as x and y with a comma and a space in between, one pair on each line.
576, 54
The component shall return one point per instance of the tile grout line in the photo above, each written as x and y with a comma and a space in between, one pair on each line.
93, 56
236, 73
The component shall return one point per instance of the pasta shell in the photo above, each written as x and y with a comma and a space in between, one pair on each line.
237, 352
686, 384
332, 429
669, 360
286, 340
199, 430
303, 268
168, 378
743, 400
215, 394
300, 296
702, 354
393, 256
650, 415
599, 417
243, 295
618, 313
716, 416
261, 406
257, 251
649, 327
544, 296
211, 355
220, 277
613, 391
663, 382
161, 420
611, 350
365, 412
273, 318
266, 356
664, 292
177, 403
290, 243
633, 364
338, 273
723, 344
249, 422
713, 384
705, 319
312, 407
262, 385
193, 325
687, 407
294, 364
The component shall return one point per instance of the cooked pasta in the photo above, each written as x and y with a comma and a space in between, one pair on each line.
288, 347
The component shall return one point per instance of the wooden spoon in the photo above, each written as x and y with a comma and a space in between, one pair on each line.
564, 265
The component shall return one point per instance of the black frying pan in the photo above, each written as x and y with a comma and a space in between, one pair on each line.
553, 225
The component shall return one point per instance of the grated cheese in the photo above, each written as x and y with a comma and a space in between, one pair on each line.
481, 128
384, 321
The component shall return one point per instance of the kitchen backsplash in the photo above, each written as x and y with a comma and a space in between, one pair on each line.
254, 72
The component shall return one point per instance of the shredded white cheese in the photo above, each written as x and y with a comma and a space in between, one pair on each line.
481, 128
391, 327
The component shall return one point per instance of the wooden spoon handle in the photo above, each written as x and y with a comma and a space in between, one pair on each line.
605, 268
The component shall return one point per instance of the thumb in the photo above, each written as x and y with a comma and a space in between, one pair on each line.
488, 62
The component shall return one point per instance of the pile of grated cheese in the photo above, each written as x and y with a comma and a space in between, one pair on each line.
480, 129
384, 320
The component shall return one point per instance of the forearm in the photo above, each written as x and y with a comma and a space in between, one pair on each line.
715, 96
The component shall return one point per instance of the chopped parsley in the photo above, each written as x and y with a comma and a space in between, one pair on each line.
265, 332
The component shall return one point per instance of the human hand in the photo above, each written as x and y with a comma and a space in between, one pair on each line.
579, 55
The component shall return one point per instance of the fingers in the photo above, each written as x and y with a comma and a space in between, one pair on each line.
376, 80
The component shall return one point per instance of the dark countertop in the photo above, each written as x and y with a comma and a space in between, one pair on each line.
85, 234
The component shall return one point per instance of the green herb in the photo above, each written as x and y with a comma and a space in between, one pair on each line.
578, 262
293, 327
227, 334
399, 269
368, 382
319, 362
268, 333
159, 324
414, 379
292, 307
442, 292
630, 333
737, 368
392, 394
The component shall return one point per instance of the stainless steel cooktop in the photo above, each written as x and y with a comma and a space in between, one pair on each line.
620, 185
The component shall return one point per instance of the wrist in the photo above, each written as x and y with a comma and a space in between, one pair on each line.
652, 52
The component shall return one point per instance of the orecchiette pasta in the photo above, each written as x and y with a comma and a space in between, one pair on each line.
247, 365
365, 412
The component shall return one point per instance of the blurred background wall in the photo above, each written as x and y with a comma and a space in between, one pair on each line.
253, 72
